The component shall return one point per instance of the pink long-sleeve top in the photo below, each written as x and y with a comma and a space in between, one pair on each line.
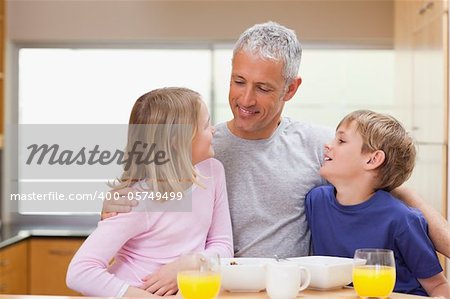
141, 242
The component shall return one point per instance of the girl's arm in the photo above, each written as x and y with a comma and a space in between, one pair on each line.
220, 235
219, 240
438, 227
87, 272
436, 286
136, 292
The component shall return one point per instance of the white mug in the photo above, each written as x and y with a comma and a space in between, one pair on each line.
284, 280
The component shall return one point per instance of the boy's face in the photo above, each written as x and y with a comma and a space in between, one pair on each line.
344, 161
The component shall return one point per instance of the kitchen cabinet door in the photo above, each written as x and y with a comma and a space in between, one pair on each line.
421, 38
429, 178
14, 269
426, 10
429, 81
49, 260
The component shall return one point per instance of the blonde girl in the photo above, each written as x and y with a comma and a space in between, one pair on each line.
176, 121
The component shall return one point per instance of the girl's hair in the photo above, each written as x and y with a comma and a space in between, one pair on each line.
384, 132
165, 118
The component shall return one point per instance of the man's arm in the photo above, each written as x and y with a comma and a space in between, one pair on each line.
119, 203
436, 286
438, 227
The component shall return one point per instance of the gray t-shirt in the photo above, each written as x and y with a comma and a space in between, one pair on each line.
267, 181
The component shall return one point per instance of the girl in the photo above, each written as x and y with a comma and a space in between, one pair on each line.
143, 240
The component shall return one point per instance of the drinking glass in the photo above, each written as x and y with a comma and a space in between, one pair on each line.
374, 272
203, 282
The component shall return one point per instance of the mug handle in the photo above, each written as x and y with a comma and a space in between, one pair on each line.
307, 279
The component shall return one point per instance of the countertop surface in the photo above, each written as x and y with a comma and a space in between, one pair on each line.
13, 233
10, 234
307, 294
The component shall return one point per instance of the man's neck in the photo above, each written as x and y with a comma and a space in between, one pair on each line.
252, 135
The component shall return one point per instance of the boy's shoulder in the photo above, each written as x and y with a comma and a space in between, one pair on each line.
319, 193
395, 203
402, 211
321, 189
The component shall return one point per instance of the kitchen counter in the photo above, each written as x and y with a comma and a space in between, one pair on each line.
307, 294
13, 233
10, 234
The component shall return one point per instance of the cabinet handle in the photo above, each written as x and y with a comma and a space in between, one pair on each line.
61, 252
4, 263
428, 5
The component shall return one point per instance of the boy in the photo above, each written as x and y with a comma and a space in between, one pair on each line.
371, 155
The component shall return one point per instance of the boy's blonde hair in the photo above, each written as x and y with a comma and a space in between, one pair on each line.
168, 118
384, 132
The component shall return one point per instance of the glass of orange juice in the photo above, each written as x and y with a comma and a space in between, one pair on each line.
203, 282
374, 273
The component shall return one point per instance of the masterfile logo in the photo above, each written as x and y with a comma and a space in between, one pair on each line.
94, 151
72, 168
53, 155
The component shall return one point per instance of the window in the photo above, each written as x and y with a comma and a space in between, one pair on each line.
338, 81
99, 86
90, 86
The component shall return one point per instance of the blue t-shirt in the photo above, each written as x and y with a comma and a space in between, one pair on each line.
380, 222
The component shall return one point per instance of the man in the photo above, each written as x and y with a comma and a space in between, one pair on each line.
270, 161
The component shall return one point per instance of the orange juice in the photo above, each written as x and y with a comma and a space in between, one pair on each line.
373, 281
198, 285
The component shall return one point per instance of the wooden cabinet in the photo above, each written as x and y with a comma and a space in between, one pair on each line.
425, 10
422, 66
2, 65
429, 46
429, 174
37, 266
14, 269
421, 44
49, 259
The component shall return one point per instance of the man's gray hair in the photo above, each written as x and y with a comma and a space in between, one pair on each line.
272, 41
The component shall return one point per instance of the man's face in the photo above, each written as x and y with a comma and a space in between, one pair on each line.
257, 95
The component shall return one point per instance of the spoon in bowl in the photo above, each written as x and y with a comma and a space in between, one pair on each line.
278, 258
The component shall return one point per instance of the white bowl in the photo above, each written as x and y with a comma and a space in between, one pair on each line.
327, 272
245, 275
